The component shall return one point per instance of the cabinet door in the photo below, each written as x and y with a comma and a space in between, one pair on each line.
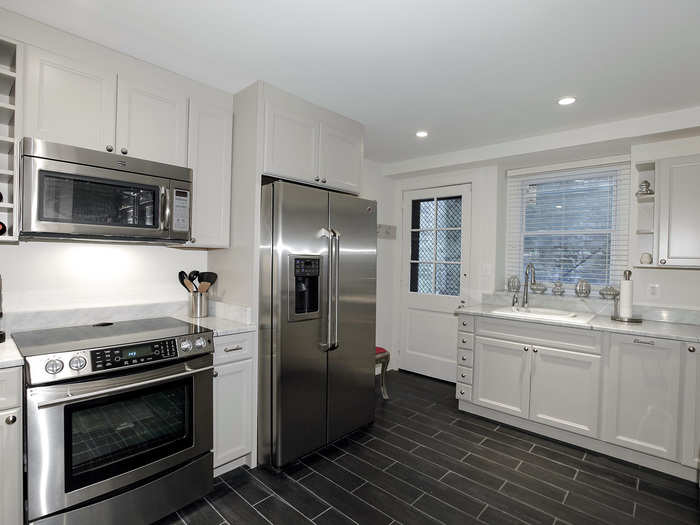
291, 143
340, 162
11, 511
502, 376
210, 135
69, 102
233, 416
152, 121
679, 213
690, 453
641, 397
565, 389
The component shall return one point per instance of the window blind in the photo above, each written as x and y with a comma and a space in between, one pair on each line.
571, 225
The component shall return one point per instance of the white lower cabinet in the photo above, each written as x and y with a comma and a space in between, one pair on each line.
502, 376
565, 389
690, 453
641, 399
233, 406
11, 511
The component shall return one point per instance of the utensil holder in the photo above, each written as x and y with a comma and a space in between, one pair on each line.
199, 304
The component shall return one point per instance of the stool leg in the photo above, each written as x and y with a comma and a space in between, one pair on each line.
382, 377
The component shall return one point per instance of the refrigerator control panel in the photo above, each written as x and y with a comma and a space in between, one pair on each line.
305, 284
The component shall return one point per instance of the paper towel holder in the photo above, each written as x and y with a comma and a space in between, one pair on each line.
616, 313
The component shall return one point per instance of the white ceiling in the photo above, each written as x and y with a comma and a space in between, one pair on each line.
470, 72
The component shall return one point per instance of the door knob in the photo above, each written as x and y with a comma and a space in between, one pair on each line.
124, 151
109, 148
10, 420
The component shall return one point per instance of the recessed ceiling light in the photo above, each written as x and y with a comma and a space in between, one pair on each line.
558, 206
421, 134
566, 101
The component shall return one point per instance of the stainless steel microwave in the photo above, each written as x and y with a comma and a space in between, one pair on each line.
70, 192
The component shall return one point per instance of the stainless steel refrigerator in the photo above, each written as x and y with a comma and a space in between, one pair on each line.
317, 319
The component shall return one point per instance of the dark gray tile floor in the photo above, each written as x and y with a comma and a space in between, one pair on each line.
424, 461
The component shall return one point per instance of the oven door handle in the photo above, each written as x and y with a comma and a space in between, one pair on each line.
123, 388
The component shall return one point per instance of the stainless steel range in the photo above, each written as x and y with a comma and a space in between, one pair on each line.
119, 420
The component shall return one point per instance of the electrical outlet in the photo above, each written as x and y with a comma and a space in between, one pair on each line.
653, 290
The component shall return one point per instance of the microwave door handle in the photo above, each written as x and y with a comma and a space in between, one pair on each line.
122, 388
165, 208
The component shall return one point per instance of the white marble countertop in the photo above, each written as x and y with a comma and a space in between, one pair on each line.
9, 355
663, 330
218, 325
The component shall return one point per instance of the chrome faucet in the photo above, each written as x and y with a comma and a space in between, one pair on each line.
529, 275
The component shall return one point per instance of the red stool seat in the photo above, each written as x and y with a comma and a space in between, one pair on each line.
380, 350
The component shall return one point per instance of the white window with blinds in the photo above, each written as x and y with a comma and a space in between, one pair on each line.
571, 225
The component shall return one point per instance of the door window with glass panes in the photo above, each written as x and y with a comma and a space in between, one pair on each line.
436, 245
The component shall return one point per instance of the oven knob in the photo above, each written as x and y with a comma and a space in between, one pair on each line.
186, 345
54, 366
77, 363
200, 342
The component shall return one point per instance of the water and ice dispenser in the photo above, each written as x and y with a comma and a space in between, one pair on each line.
305, 287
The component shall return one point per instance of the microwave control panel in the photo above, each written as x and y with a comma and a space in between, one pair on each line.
181, 210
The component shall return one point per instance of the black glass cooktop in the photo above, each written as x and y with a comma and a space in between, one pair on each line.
73, 338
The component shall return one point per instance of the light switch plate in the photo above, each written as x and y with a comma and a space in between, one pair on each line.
386, 231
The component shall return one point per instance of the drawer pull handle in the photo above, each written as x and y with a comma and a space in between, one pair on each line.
233, 348
643, 342
691, 349
10, 420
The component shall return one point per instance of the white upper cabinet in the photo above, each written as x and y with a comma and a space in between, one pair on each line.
291, 143
556, 371
502, 376
690, 453
310, 144
151, 120
210, 143
341, 158
69, 102
678, 188
641, 399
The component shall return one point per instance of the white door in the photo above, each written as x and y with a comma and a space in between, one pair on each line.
151, 121
679, 213
641, 396
502, 376
11, 509
436, 229
341, 158
209, 156
565, 389
233, 417
69, 102
291, 143
690, 453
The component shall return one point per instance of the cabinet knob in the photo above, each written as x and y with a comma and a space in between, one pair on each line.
215, 374
525, 348
317, 179
464, 375
10, 420
464, 358
109, 148
464, 341
461, 392
662, 261
193, 240
323, 180
691, 349
534, 349
124, 151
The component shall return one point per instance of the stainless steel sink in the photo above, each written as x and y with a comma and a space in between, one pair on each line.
545, 314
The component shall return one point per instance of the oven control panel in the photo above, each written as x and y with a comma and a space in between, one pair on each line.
71, 365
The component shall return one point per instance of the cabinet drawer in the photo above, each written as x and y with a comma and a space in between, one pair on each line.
464, 375
10, 387
465, 340
465, 357
229, 348
463, 392
466, 323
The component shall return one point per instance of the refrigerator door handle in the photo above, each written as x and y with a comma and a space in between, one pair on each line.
328, 345
336, 293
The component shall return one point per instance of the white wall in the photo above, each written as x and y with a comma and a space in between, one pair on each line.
65, 275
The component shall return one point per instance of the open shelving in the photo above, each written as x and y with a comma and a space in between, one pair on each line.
10, 92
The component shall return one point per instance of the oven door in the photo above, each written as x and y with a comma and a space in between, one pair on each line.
88, 439
67, 199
